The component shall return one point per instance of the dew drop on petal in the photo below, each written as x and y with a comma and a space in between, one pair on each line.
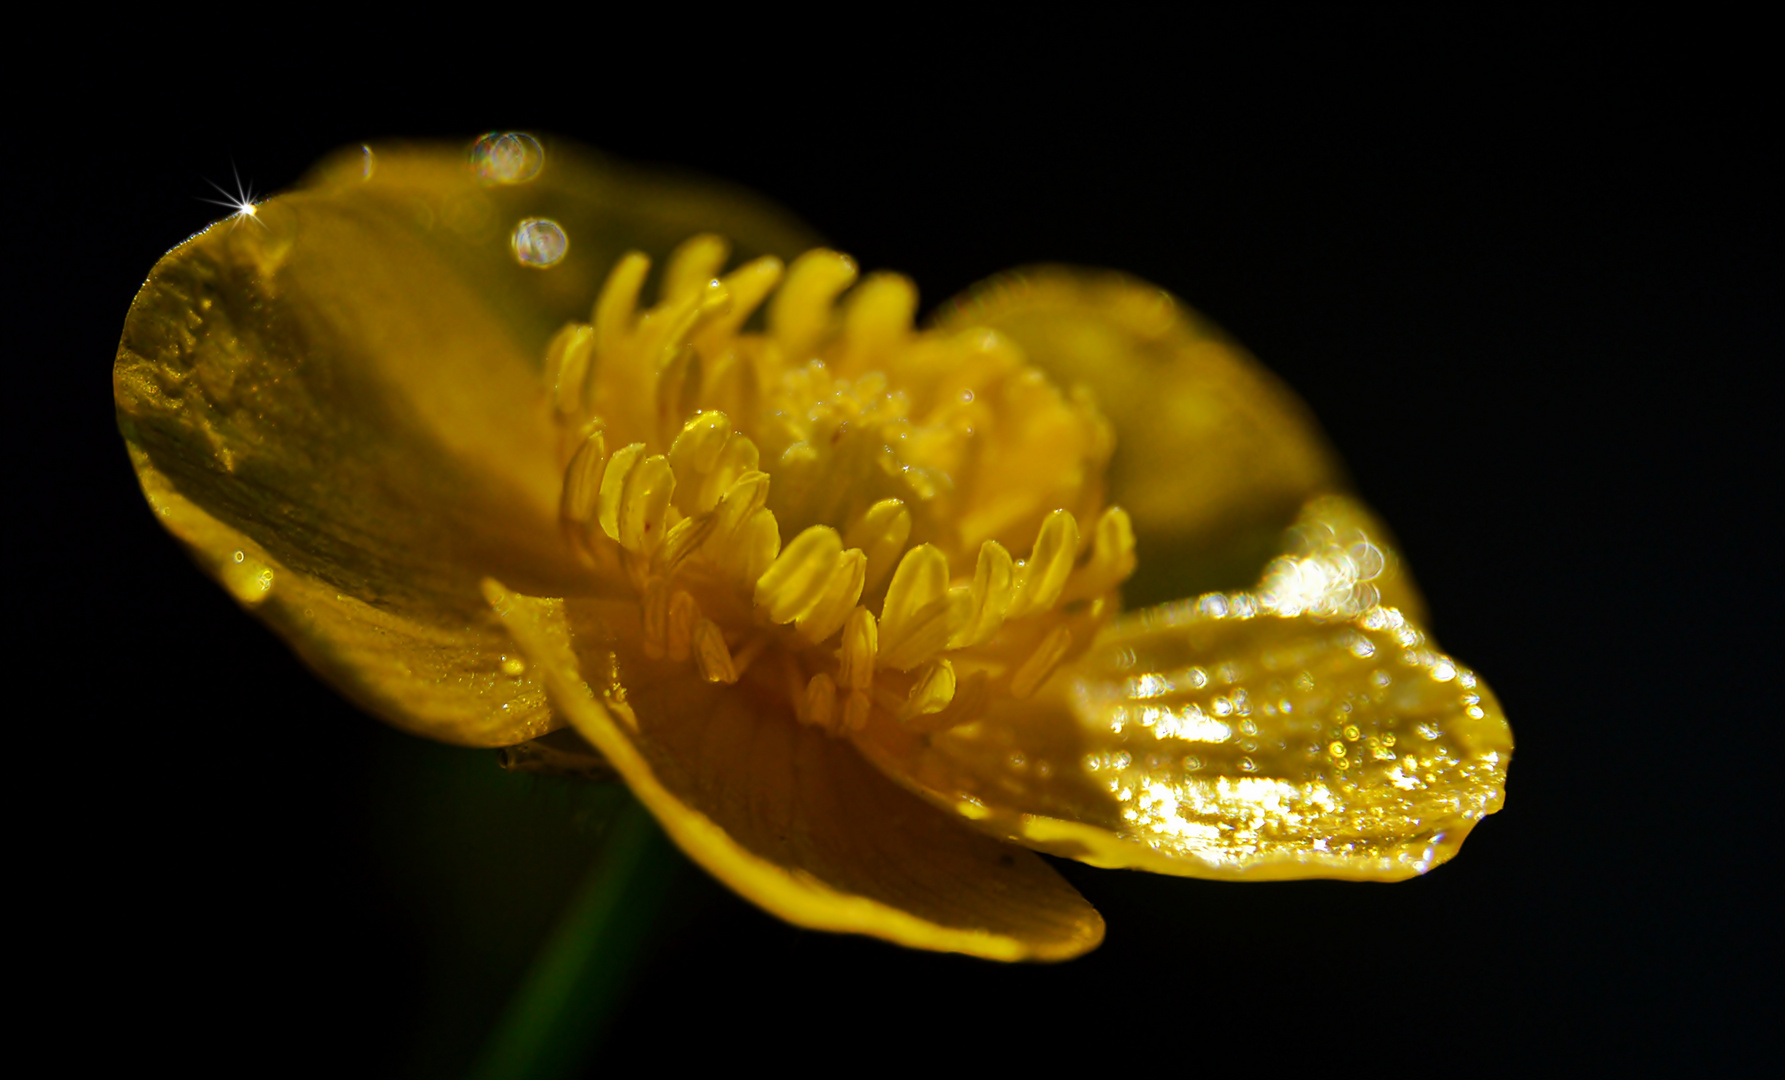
540, 242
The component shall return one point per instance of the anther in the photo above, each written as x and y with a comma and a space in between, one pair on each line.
844, 587
881, 533
684, 615
799, 575
1112, 557
992, 589
799, 315
694, 454
1041, 663
1049, 564
877, 320
756, 545
582, 480
618, 300
684, 539
856, 710
711, 655
613, 487
921, 612
692, 264
567, 367
821, 702
855, 659
749, 285
931, 691
643, 504
736, 459
656, 618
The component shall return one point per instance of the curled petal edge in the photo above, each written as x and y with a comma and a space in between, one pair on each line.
1045, 918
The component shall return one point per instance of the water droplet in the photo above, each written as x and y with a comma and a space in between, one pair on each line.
239, 556
1351, 732
1248, 765
367, 162
507, 157
513, 665
1017, 760
540, 242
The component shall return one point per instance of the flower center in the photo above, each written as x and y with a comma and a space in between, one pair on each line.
827, 510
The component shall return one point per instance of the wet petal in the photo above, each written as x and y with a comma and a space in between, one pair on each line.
787, 816
1299, 730
345, 389
1213, 455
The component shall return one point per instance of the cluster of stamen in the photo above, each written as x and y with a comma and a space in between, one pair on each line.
825, 511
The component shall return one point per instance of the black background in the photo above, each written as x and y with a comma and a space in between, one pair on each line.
1528, 281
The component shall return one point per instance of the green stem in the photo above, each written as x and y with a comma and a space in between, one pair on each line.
565, 1001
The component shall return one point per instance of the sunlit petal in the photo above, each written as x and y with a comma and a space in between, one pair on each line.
1247, 735
348, 394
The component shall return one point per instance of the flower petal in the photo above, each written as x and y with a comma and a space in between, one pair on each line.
1213, 455
343, 394
785, 815
1301, 730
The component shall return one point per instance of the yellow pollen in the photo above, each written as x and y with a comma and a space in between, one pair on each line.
902, 468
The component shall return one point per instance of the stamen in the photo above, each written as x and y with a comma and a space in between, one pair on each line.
643, 504
799, 574
613, 487
655, 607
694, 454
1041, 662
758, 545
921, 612
833, 606
877, 321
1041, 578
821, 702
931, 691
855, 660
684, 539
750, 284
582, 480
856, 710
567, 368
749, 494
692, 264
994, 585
970, 696
846, 409
800, 313
1112, 558
711, 655
737, 458
618, 300
881, 533
684, 615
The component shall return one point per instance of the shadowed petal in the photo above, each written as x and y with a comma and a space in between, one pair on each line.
790, 818
343, 395
1213, 455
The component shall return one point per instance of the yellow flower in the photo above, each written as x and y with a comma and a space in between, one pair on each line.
837, 598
